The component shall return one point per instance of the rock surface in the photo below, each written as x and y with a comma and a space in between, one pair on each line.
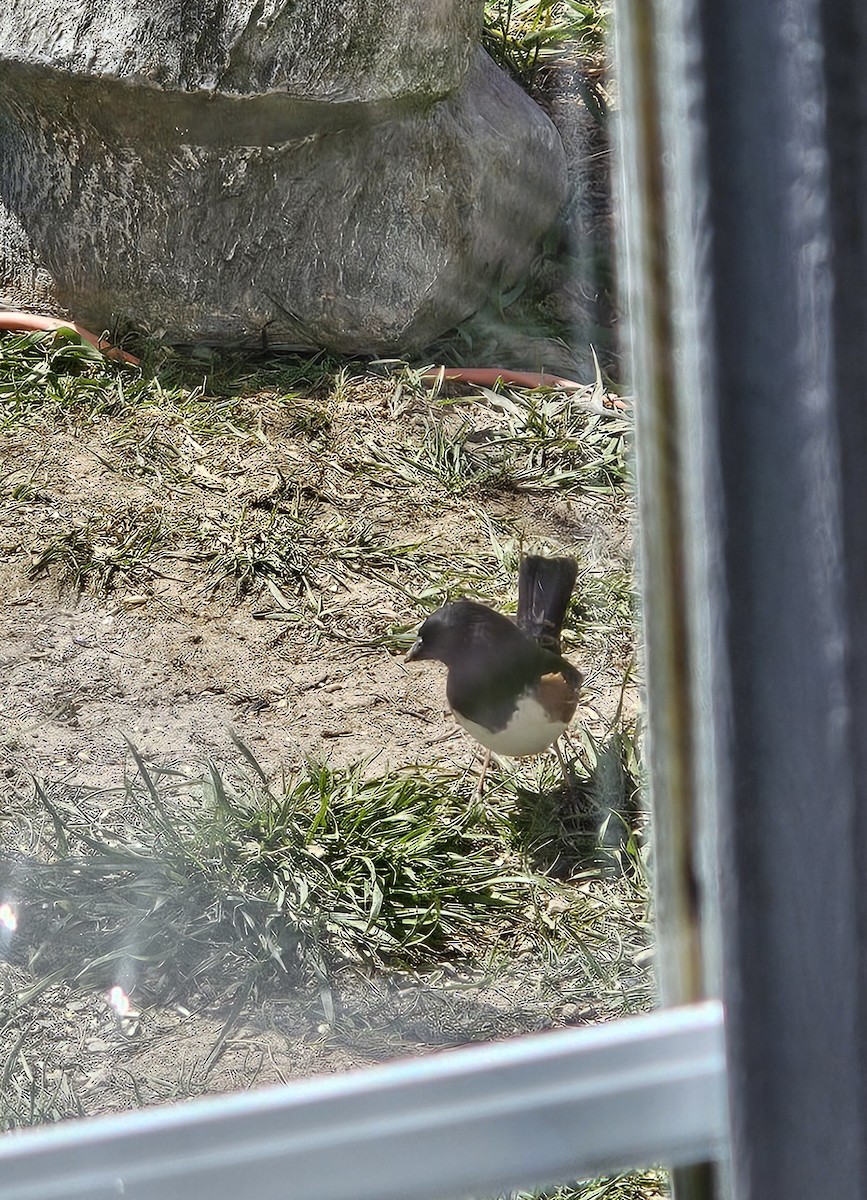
268, 174
310, 49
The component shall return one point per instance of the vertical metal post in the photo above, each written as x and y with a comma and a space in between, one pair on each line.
664, 550
763, 143
660, 274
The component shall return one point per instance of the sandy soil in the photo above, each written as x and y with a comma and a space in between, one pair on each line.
176, 652
173, 658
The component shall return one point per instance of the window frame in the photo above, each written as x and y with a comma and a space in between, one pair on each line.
532, 1110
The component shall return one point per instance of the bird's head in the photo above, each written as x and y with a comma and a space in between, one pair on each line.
446, 633
436, 637
453, 630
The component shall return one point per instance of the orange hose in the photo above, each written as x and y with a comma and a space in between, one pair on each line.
478, 376
32, 322
491, 376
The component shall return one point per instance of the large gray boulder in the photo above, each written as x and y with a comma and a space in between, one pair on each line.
358, 176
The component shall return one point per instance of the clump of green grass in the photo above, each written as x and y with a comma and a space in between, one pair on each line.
58, 370
34, 1093
528, 34
331, 867
89, 557
566, 438
181, 883
259, 545
399, 866
629, 1185
537, 441
57, 376
453, 460
524, 36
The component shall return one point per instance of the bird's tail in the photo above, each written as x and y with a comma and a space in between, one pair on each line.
544, 588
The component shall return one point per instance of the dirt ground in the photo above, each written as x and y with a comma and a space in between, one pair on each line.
183, 640
181, 575
165, 662
173, 663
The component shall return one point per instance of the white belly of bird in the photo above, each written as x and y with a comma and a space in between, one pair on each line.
530, 731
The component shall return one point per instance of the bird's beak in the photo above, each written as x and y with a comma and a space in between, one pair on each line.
415, 651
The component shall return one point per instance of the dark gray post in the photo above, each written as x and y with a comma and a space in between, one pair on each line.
760, 119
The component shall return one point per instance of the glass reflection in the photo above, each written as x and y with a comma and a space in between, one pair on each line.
242, 841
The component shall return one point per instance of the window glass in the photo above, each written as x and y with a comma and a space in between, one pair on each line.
242, 840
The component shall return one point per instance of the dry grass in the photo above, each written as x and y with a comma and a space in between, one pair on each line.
342, 503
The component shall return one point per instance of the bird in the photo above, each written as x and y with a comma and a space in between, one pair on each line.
508, 685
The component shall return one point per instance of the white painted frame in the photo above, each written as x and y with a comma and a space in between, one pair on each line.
530, 1111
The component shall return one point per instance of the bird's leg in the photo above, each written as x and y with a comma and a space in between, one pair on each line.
568, 777
485, 764
565, 736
